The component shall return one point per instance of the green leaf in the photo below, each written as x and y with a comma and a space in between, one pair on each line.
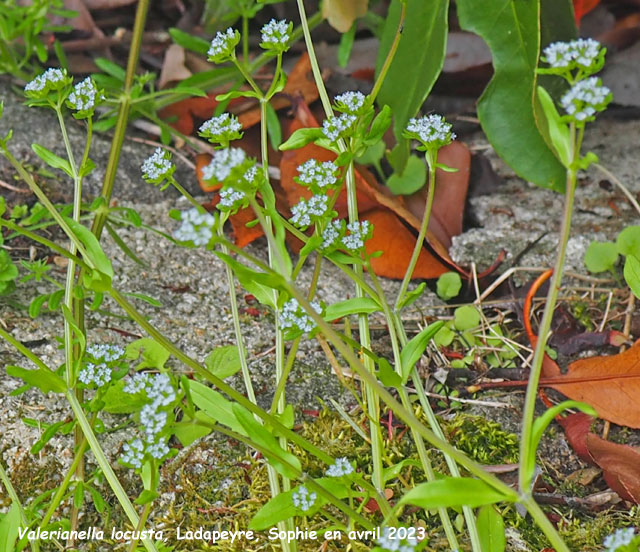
189, 431
236, 94
628, 241
149, 351
43, 379
301, 137
116, 401
274, 130
98, 502
189, 41
387, 375
466, 317
491, 530
215, 405
372, 155
36, 305
632, 274
392, 472
100, 278
46, 436
600, 256
411, 180
553, 127
52, 159
345, 46
277, 509
413, 350
356, 305
540, 424
449, 285
259, 284
223, 361
283, 461
412, 296
506, 107
9, 524
418, 60
453, 491
379, 126
146, 298
110, 68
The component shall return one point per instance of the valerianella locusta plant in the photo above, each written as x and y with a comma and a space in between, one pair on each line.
388, 544
583, 54
275, 35
350, 102
586, 98
196, 227
619, 540
339, 468
223, 46
432, 131
305, 212
303, 499
158, 167
51, 79
83, 98
332, 235
359, 232
222, 163
294, 318
221, 129
339, 126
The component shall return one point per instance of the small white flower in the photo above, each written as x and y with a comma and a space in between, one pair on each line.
293, 316
350, 102
358, 233
196, 227
51, 79
139, 382
431, 130
305, 212
303, 499
339, 468
160, 391
158, 166
336, 127
317, 175
230, 198
275, 33
84, 96
581, 53
622, 537
223, 128
105, 352
331, 234
223, 45
585, 99
96, 374
222, 163
152, 420
157, 449
396, 544
133, 454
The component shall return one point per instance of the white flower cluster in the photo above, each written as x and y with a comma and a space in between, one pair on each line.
312, 173
396, 545
339, 468
222, 128
222, 163
431, 130
585, 98
303, 499
160, 393
158, 166
223, 44
50, 79
335, 127
304, 212
84, 95
350, 102
98, 373
275, 32
195, 227
293, 316
332, 233
582, 52
622, 537
358, 233
230, 198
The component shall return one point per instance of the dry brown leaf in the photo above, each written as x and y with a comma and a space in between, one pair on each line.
620, 466
173, 66
342, 13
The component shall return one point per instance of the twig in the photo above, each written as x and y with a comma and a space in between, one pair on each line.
14, 188
620, 185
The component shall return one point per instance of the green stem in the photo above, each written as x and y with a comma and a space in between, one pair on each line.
392, 52
106, 468
417, 248
545, 325
247, 76
143, 519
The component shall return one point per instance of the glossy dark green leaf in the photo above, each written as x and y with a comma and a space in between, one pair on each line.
506, 108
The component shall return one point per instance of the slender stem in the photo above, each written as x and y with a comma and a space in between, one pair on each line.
392, 52
106, 468
247, 76
545, 326
143, 519
245, 38
123, 115
417, 248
